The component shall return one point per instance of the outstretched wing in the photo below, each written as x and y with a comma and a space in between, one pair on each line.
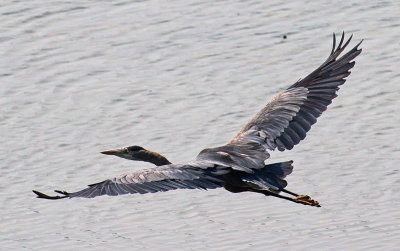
284, 122
153, 180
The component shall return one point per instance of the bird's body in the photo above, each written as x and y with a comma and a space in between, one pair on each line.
239, 166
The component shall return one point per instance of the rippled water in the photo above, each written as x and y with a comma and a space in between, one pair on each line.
79, 77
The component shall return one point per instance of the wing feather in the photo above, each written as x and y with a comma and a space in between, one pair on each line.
169, 177
284, 122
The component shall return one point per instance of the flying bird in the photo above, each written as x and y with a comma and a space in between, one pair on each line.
238, 166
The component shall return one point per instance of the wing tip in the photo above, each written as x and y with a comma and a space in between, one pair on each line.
340, 47
41, 195
362, 40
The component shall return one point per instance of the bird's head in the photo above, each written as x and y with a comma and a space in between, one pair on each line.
139, 153
130, 152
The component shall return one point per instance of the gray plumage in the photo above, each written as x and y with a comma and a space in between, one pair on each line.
239, 165
169, 177
284, 122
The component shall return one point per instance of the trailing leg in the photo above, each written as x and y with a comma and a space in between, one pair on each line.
289, 192
302, 199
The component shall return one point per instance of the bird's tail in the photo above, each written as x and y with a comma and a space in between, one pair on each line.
271, 177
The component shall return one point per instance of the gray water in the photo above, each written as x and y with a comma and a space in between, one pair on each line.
79, 77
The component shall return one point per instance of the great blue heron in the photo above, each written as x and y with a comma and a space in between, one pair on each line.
238, 166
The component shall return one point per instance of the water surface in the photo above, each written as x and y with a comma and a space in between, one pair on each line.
80, 77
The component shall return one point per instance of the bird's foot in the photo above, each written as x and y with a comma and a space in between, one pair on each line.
306, 200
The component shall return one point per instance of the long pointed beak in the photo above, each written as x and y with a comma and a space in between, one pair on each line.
117, 152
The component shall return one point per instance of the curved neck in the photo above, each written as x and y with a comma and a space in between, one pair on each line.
155, 158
